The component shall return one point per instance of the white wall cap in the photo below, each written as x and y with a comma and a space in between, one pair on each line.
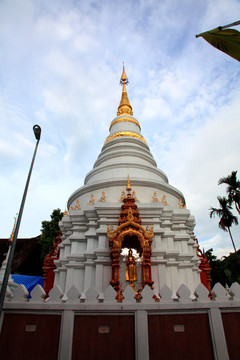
110, 295
165, 293
20, 294
219, 293
37, 294
128, 294
73, 294
147, 295
55, 294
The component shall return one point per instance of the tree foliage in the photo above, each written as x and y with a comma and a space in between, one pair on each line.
227, 219
226, 270
233, 189
50, 230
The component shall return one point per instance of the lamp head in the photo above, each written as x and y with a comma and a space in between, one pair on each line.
37, 131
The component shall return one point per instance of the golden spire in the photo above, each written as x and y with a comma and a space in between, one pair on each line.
125, 107
124, 78
13, 231
128, 187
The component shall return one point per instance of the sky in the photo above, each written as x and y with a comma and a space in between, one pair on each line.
60, 65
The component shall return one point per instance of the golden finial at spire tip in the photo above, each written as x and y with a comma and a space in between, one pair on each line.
124, 106
128, 187
124, 78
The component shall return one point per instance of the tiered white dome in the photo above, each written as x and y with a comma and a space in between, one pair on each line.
125, 152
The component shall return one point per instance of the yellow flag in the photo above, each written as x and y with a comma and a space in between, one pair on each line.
227, 40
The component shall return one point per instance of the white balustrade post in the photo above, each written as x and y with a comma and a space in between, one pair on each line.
66, 335
218, 335
141, 335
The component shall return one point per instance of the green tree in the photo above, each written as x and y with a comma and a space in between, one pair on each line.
217, 269
50, 230
210, 256
224, 271
227, 219
232, 268
233, 189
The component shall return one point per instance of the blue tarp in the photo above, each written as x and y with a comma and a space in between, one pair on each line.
28, 281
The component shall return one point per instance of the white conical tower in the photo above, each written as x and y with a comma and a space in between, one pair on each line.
85, 257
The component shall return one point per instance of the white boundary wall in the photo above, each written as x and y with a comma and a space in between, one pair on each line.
71, 303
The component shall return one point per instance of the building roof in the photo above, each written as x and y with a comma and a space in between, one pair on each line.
27, 258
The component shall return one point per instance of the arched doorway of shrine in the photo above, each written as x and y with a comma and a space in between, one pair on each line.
132, 237
131, 263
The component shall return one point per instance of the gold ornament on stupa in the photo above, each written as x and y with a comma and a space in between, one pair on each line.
13, 230
124, 107
124, 113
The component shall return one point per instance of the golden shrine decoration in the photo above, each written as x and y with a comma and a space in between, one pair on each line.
66, 213
125, 133
13, 230
164, 201
76, 207
92, 200
181, 203
123, 195
134, 195
130, 229
103, 197
154, 197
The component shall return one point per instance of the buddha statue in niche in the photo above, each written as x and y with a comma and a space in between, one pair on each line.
131, 270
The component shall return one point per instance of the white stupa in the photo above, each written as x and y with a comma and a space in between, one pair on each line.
154, 221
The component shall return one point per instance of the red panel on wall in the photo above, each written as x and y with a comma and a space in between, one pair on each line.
231, 324
179, 336
103, 337
30, 337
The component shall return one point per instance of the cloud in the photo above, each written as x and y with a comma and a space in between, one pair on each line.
195, 161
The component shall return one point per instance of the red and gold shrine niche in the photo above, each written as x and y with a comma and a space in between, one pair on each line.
131, 235
49, 266
204, 267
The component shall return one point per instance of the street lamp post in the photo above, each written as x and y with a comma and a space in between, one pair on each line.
37, 133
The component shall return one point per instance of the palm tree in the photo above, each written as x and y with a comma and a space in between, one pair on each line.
233, 189
225, 215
